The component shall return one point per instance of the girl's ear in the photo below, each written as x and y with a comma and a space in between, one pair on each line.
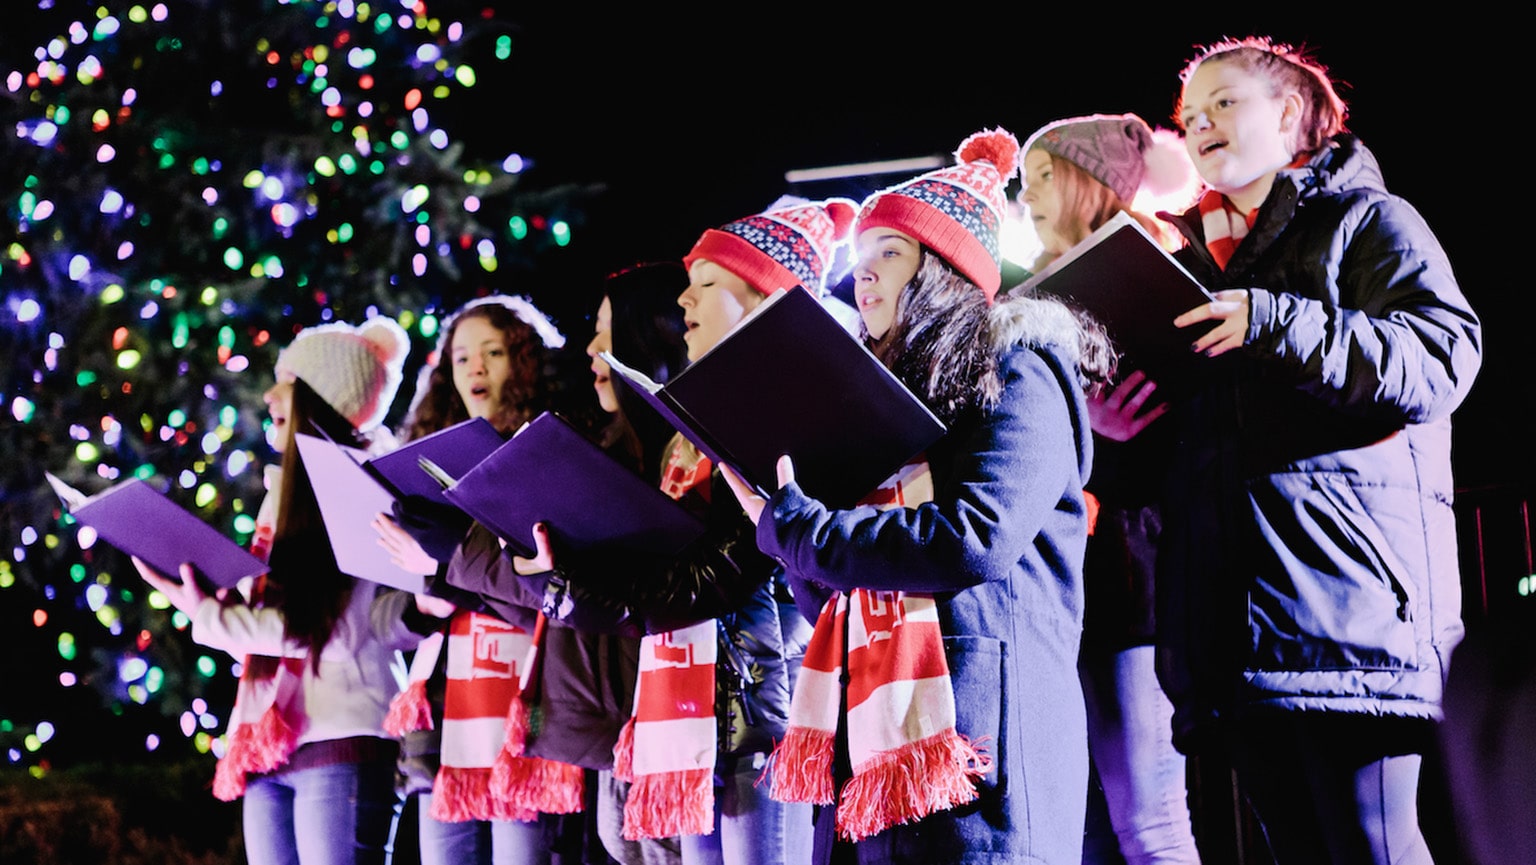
1291, 105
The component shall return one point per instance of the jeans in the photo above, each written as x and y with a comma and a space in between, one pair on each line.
1335, 788
482, 842
1130, 740
336, 814
750, 828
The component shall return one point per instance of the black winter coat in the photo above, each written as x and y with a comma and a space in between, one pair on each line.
1308, 557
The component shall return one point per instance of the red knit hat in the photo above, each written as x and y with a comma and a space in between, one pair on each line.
779, 248
957, 211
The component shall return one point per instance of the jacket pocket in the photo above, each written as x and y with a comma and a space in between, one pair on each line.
979, 675
1336, 586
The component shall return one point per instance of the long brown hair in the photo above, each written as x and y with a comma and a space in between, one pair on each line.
529, 337
937, 344
647, 333
305, 582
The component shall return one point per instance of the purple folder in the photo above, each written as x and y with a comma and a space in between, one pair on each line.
349, 497
552, 473
455, 450
137, 519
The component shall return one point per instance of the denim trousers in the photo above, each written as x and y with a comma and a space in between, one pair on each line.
750, 827
1130, 741
337, 814
483, 842
1335, 788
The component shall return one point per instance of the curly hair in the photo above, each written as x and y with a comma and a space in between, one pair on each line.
1285, 68
529, 336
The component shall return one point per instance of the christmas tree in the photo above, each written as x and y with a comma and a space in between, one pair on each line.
184, 185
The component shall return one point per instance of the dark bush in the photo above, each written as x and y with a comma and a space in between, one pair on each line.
154, 814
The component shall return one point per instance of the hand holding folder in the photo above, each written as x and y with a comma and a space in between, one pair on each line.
1133, 287
139, 520
550, 473
353, 490
789, 379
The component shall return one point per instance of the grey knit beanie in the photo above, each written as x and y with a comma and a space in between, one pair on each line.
1112, 148
356, 370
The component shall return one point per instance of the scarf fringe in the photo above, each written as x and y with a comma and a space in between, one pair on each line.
801, 767
515, 729
409, 711
537, 784
461, 794
624, 753
253, 748
910, 783
670, 803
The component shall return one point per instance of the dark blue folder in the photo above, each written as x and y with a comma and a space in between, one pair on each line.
791, 380
1135, 289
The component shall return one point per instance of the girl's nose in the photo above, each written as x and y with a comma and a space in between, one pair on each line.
1199, 122
863, 269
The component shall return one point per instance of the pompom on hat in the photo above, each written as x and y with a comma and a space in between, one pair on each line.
356, 370
1120, 151
956, 211
781, 247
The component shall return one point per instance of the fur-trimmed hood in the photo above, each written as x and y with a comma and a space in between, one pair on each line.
1040, 322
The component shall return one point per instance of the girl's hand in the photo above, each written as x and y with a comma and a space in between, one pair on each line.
1230, 310
752, 503
185, 596
437, 608
543, 560
403, 549
1123, 414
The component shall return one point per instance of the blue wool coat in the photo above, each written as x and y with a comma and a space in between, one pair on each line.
1001, 548
1308, 557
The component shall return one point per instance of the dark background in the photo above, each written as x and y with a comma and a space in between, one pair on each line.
691, 120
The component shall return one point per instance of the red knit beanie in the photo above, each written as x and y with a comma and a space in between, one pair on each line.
957, 211
779, 248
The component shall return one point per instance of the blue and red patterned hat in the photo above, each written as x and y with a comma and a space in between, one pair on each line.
957, 211
779, 248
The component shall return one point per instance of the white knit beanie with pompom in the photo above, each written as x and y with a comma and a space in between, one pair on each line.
356, 370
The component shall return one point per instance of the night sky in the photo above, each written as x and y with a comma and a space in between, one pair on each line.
691, 122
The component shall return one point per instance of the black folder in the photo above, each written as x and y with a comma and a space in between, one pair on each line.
1132, 286
789, 379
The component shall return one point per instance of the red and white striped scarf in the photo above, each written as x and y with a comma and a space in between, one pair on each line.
667, 748
908, 759
483, 775
410, 710
1225, 226
264, 722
